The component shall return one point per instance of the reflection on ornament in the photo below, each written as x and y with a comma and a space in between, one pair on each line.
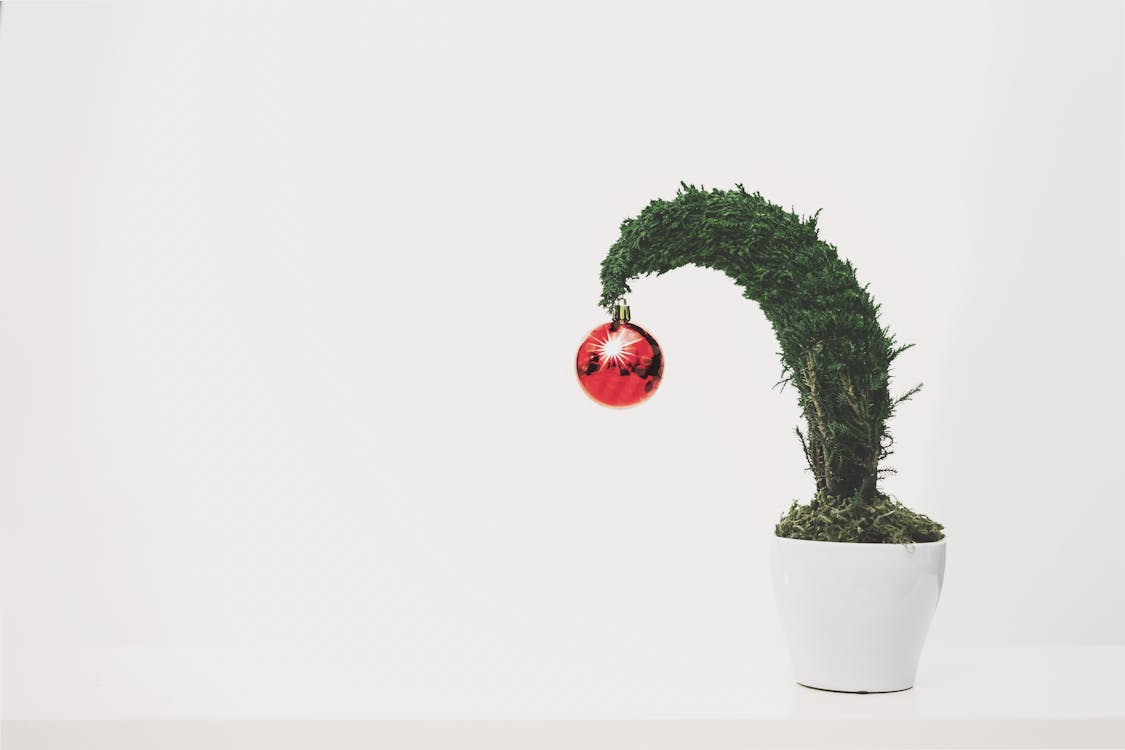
616, 347
619, 363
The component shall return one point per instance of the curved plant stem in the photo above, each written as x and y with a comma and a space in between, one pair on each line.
833, 349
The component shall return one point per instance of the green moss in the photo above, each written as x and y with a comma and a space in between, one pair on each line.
857, 519
834, 351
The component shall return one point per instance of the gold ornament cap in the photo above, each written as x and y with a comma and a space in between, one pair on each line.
621, 311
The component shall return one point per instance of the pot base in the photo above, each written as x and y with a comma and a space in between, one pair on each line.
854, 692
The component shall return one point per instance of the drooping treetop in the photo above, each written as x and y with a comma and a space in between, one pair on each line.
834, 351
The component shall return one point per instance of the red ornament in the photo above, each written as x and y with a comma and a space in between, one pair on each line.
619, 363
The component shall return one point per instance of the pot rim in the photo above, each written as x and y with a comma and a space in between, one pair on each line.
869, 545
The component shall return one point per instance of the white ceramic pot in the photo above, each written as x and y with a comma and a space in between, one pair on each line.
856, 615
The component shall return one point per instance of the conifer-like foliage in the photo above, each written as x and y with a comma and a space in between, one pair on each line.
833, 349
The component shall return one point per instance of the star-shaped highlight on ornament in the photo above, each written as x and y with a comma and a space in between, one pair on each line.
617, 347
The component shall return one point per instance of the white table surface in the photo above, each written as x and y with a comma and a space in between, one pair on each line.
980, 697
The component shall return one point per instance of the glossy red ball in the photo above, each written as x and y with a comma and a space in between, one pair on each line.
620, 364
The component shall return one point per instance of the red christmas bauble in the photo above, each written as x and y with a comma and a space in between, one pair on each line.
620, 364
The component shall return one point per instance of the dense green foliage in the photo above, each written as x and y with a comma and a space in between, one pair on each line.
833, 349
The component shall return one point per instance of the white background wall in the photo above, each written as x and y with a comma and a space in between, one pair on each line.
289, 296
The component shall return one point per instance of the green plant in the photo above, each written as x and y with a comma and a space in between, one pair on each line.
833, 349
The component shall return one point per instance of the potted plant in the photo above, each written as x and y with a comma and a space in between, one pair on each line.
856, 574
